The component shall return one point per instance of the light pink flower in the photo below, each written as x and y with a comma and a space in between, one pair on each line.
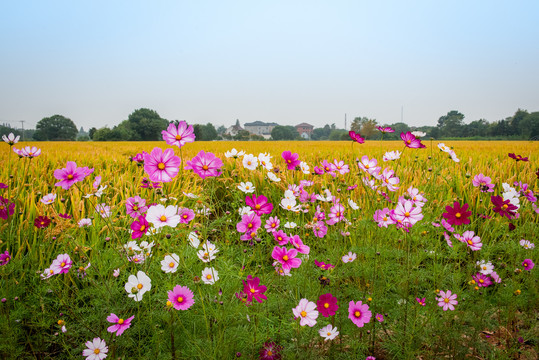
161, 166
306, 312
447, 300
179, 135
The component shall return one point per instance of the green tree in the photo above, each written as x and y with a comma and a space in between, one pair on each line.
284, 133
321, 133
91, 132
205, 132
55, 128
144, 124
451, 124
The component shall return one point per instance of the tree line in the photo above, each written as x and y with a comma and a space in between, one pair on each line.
146, 125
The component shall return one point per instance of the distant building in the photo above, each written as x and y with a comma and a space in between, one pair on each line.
305, 130
260, 128
234, 129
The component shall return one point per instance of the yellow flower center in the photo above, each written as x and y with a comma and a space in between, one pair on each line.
139, 286
205, 167
61, 322
269, 353
178, 137
120, 321
208, 276
257, 207
161, 166
285, 258
408, 142
338, 214
326, 305
142, 227
252, 290
163, 218
470, 242
97, 351
63, 264
303, 314
446, 300
70, 177
169, 304
357, 314
289, 161
81, 268
505, 206
250, 225
135, 207
481, 281
458, 215
407, 214
328, 333
180, 299
171, 265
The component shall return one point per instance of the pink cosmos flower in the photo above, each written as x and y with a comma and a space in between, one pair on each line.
379, 317
254, 290
340, 167
407, 214
5, 258
135, 206
139, 227
181, 297
336, 214
249, 223
323, 265
349, 257
259, 205
359, 313
411, 141
272, 224
178, 136
327, 305
61, 264
120, 325
161, 166
281, 237
367, 164
29, 152
356, 137
483, 182
472, 241
287, 258
447, 300
306, 312
291, 159
385, 129
320, 230
482, 280
528, 264
205, 164
389, 180
421, 301
186, 215
70, 175
296, 242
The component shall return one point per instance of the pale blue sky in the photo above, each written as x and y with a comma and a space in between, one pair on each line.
275, 61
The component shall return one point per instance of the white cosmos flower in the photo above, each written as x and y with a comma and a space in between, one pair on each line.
289, 204
11, 139
352, 204
48, 199
210, 276
193, 239
136, 286
170, 263
250, 161
160, 216
205, 256
392, 155
265, 161
246, 210
290, 225
418, 134
305, 168
85, 222
328, 332
247, 187
273, 177
485, 268
234, 153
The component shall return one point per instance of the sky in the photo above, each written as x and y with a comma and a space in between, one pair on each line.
288, 61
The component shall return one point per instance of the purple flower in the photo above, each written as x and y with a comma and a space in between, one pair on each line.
356, 137
411, 141
259, 205
205, 165
70, 175
6, 208
161, 166
180, 135
5, 258
528, 264
120, 325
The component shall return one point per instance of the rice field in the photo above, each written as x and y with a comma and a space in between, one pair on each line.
292, 250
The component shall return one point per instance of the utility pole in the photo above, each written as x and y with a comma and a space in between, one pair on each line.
344, 121
22, 124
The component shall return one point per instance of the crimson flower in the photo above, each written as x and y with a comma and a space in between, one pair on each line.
356, 137
457, 215
42, 222
260, 204
504, 208
517, 157
270, 351
6, 208
411, 141
327, 305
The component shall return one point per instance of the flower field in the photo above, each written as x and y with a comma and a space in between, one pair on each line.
269, 250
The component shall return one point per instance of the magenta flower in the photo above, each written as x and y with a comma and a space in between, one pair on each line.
254, 290
482, 280
447, 300
359, 313
270, 351
298, 245
281, 237
181, 297
41, 222
379, 317
483, 182
385, 129
323, 265
180, 135
161, 166
411, 141
272, 224
421, 301
186, 215
120, 325
135, 206
356, 137
528, 264
70, 175
472, 241
139, 227
327, 305
291, 159
61, 264
249, 223
457, 215
205, 165
5, 258
287, 258
259, 205
504, 208
517, 157
320, 230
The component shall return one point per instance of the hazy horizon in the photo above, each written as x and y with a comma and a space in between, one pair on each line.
280, 61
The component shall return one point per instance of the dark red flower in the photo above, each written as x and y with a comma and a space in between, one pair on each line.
64, 216
504, 208
42, 222
6, 208
270, 351
517, 157
356, 137
457, 215
327, 305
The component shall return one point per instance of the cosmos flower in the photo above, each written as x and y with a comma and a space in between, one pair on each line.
70, 175
61, 264
181, 297
392, 155
29, 152
253, 290
328, 332
247, 187
356, 137
359, 313
411, 141
470, 239
291, 159
5, 258
180, 135
272, 224
503, 207
526, 244
323, 265
160, 216
306, 312
137, 286
120, 325
287, 258
11, 139
250, 162
135, 206
234, 153
349, 257
161, 166
170, 263
528, 264
517, 157
385, 129
41, 222
209, 276
421, 301
270, 351
327, 305
482, 280
48, 199
457, 215
205, 164
259, 204
447, 300
96, 349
